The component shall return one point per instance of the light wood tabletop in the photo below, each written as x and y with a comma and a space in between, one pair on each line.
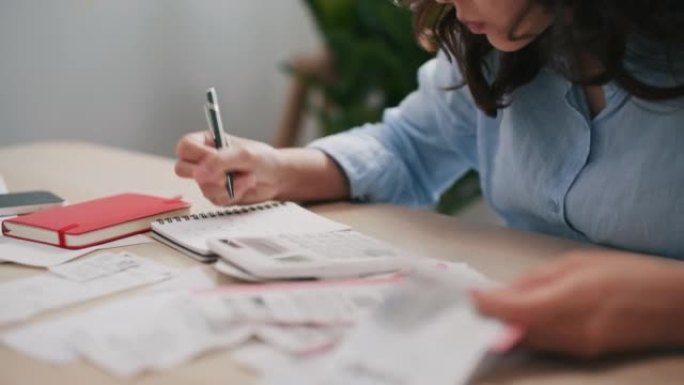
80, 171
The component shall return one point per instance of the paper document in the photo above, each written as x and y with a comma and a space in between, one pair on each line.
48, 341
425, 332
335, 255
335, 302
269, 360
300, 340
165, 329
190, 279
190, 233
96, 267
123, 337
39, 255
52, 340
303, 328
23, 298
3, 186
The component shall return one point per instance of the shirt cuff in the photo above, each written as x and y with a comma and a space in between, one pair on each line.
363, 159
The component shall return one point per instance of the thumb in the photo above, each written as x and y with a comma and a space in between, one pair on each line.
515, 305
497, 303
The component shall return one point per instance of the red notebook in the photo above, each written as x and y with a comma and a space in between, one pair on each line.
93, 222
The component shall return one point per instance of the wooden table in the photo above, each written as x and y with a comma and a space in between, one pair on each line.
80, 171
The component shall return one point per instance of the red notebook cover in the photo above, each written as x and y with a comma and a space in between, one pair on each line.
93, 222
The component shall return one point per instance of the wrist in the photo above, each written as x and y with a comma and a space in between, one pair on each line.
672, 281
282, 174
307, 174
677, 296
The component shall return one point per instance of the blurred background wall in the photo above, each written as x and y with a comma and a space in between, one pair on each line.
132, 73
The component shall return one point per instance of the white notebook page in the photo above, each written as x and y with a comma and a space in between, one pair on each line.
273, 218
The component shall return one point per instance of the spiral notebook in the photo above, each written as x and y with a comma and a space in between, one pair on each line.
189, 233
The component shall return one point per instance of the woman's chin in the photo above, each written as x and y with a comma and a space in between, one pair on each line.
507, 45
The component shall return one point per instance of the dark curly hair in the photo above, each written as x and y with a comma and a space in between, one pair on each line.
601, 29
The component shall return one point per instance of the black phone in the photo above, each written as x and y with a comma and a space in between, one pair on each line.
27, 202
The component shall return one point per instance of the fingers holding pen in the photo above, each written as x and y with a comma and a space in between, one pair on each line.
216, 164
211, 174
184, 169
194, 147
215, 190
191, 150
254, 166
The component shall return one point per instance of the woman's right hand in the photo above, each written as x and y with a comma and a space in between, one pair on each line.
254, 166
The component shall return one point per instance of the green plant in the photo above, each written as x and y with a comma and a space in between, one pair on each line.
375, 58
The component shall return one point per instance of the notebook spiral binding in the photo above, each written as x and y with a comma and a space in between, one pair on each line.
220, 213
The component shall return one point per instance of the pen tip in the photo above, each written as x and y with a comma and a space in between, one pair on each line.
210, 95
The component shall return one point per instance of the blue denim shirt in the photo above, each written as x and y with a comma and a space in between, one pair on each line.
545, 165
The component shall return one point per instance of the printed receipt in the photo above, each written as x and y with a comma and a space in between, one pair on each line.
381, 331
76, 282
425, 332
317, 303
162, 330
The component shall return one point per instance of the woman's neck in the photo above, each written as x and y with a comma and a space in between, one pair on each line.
596, 98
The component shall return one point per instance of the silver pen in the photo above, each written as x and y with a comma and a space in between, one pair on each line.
213, 113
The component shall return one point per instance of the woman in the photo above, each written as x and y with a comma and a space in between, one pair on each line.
572, 113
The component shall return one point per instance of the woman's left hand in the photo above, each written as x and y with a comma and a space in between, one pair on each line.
594, 302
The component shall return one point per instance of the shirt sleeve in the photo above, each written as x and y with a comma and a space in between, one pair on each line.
419, 149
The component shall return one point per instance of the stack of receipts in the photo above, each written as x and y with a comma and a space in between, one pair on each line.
425, 332
390, 330
75, 282
159, 330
